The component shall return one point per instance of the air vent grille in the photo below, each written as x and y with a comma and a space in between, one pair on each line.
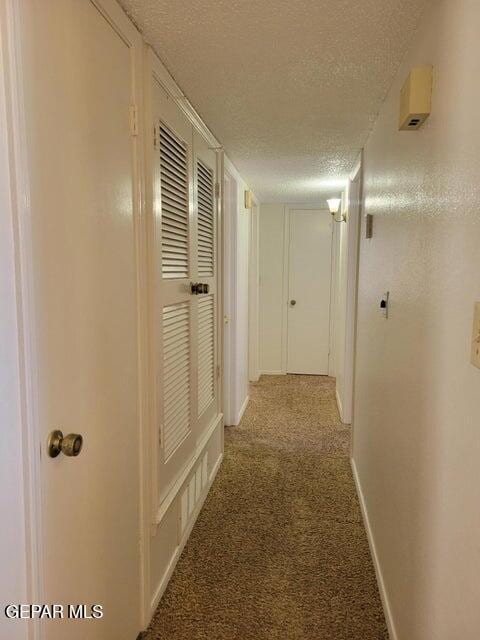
206, 219
174, 197
206, 352
176, 376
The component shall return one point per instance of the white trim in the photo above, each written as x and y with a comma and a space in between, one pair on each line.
175, 488
273, 373
253, 294
357, 168
159, 591
285, 284
333, 300
353, 249
373, 551
230, 208
339, 405
12, 38
242, 410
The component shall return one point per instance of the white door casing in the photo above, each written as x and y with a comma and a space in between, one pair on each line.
230, 214
82, 153
253, 296
309, 278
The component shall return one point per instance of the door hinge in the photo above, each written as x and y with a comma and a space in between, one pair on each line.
155, 138
217, 189
133, 120
218, 371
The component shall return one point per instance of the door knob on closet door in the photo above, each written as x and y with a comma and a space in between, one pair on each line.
70, 445
199, 287
293, 303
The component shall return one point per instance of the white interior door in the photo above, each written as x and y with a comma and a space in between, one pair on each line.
309, 291
184, 264
81, 66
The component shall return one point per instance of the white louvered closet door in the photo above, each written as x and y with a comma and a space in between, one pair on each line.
205, 327
184, 323
174, 261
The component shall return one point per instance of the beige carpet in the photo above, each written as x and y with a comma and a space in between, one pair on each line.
279, 551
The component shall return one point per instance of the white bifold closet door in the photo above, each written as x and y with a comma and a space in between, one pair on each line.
185, 322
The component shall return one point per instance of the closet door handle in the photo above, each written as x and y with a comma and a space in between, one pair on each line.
199, 287
293, 303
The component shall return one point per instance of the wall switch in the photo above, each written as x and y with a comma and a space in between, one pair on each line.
476, 337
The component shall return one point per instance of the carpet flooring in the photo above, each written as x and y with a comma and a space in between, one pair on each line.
279, 551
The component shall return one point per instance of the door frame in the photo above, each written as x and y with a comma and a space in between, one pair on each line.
230, 215
254, 293
346, 291
354, 215
286, 271
16, 204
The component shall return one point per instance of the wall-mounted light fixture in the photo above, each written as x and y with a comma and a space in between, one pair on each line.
334, 206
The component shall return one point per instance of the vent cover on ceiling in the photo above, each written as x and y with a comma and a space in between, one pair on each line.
176, 376
174, 195
206, 219
206, 352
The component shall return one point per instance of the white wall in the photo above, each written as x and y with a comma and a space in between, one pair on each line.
238, 311
13, 553
272, 239
417, 400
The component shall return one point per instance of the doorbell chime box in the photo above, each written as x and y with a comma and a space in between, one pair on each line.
416, 98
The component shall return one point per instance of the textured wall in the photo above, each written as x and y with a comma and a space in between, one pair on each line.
417, 401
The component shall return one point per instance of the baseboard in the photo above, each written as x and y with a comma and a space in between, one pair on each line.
373, 551
160, 590
339, 404
272, 373
242, 410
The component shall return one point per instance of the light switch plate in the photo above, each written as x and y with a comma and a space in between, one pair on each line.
476, 337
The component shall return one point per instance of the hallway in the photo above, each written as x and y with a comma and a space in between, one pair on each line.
240, 320
279, 550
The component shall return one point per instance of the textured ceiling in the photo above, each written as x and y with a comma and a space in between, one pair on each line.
291, 88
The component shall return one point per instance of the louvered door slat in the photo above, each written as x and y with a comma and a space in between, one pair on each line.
205, 219
176, 376
206, 347
174, 199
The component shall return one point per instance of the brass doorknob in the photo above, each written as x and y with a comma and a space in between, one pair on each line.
70, 445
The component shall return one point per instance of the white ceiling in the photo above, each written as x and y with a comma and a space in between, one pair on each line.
291, 88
